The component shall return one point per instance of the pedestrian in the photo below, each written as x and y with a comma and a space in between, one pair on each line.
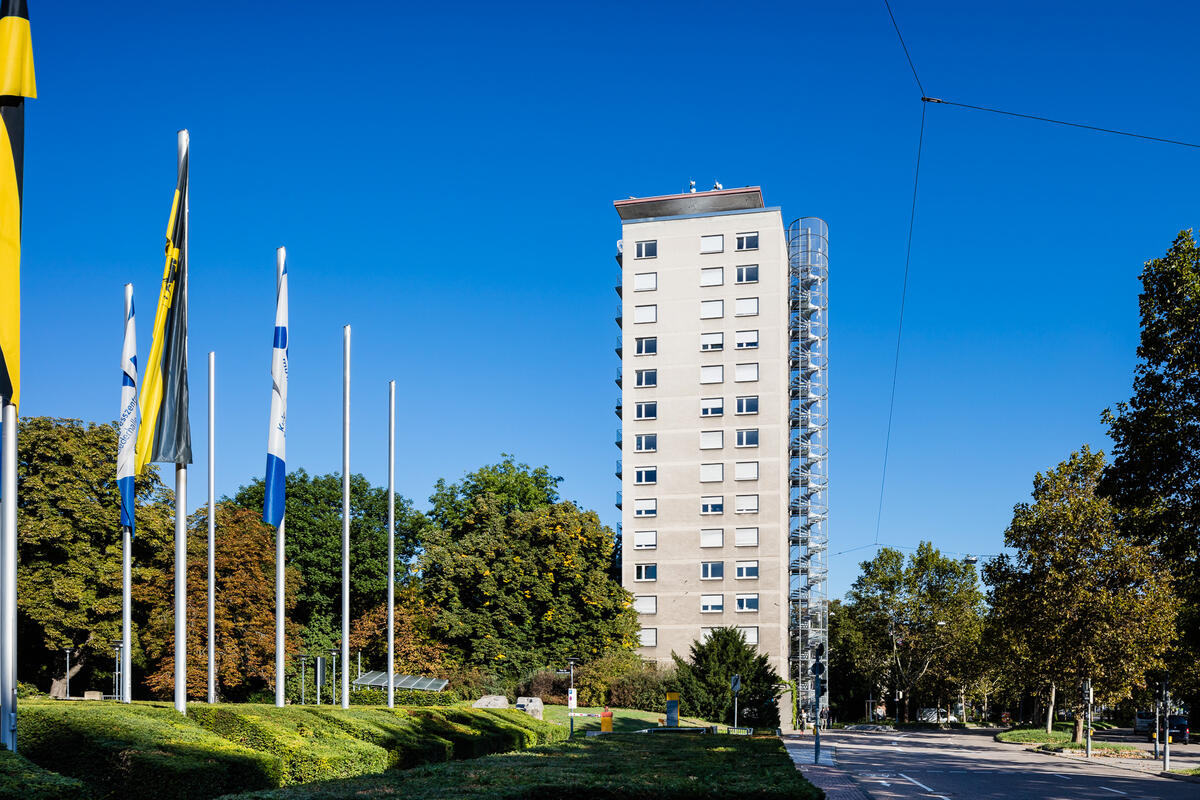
825, 718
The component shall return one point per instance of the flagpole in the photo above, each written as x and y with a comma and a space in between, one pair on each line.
127, 573
181, 504
345, 514
212, 527
280, 261
391, 594
8, 578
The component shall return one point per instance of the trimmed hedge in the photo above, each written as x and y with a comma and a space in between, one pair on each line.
139, 751
402, 697
21, 778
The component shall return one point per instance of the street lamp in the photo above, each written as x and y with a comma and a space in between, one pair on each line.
303, 674
117, 682
333, 694
67, 650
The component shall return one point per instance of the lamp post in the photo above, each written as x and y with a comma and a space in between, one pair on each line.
333, 693
117, 682
303, 674
67, 650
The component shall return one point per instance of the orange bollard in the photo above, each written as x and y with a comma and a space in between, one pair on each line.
606, 720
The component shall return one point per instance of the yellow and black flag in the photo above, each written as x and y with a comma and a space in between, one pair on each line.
165, 434
16, 83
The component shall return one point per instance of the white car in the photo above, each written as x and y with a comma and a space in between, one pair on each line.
1143, 721
935, 715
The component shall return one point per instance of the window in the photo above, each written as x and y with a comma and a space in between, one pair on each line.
647, 345
712, 440
712, 342
712, 570
748, 404
745, 372
746, 504
647, 249
645, 443
645, 411
645, 314
747, 241
645, 475
747, 274
645, 540
745, 307
745, 471
712, 309
712, 244
747, 437
712, 504
746, 340
745, 570
750, 633
712, 537
705, 633
646, 281
746, 602
745, 537
712, 406
712, 603
712, 374
648, 637
645, 604
645, 572
648, 377
712, 473
712, 276
645, 507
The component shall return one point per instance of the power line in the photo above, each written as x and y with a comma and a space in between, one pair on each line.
1058, 122
902, 44
912, 216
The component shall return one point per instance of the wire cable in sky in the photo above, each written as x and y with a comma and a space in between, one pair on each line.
1058, 122
912, 216
902, 44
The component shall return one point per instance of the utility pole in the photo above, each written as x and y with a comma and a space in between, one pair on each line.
1166, 729
1087, 702
817, 669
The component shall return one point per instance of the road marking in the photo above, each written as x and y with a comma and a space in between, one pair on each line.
923, 786
1114, 791
1060, 775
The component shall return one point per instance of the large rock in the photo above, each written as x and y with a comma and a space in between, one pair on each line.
531, 706
491, 701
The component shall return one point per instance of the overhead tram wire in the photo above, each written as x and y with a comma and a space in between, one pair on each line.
903, 45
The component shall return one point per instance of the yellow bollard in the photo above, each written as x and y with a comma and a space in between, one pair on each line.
606, 720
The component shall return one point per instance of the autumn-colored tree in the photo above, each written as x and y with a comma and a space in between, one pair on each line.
1080, 600
245, 607
416, 651
69, 550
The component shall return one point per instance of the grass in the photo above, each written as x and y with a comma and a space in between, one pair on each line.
625, 720
21, 778
1033, 736
1059, 740
1098, 748
617, 767
1192, 771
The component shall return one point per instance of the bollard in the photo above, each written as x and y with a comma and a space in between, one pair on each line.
606, 720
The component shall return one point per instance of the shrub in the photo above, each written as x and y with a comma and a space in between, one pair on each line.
27, 691
403, 697
20, 777
644, 689
139, 751
704, 680
546, 684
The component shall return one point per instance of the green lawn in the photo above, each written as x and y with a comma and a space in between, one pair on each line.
659, 766
1033, 736
625, 720
1059, 739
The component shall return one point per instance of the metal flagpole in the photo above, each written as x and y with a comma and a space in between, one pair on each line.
391, 594
8, 579
345, 513
280, 261
212, 527
181, 507
126, 690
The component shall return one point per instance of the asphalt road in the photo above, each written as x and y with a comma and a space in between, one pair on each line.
969, 764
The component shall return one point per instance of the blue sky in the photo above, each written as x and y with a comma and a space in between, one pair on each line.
443, 174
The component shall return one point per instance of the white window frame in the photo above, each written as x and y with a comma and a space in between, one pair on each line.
707, 568
745, 373
641, 249
641, 439
741, 403
645, 507
712, 276
645, 476
745, 470
742, 537
745, 504
715, 503
648, 637
712, 342
712, 473
739, 273
642, 569
712, 440
707, 536
712, 309
643, 315
742, 241
743, 434
745, 307
712, 373
645, 540
712, 603
645, 603
750, 632
712, 243
647, 410
645, 281
645, 378
745, 340
639, 345
712, 406
743, 600
740, 568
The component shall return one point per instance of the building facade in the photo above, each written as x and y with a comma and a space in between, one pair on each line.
723, 421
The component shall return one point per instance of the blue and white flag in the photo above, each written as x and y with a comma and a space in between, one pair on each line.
127, 430
273, 498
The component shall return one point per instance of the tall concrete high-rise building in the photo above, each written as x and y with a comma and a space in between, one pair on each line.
723, 347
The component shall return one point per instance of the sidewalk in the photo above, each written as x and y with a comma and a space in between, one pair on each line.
836, 782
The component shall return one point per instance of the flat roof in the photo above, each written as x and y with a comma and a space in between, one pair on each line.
690, 203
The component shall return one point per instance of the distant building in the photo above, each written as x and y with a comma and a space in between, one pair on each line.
723, 317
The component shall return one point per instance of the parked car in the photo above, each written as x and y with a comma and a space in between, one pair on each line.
1143, 722
935, 715
1178, 725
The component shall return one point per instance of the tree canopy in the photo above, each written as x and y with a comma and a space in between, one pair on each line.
705, 680
511, 487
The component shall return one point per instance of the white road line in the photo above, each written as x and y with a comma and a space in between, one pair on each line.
1060, 775
1114, 791
923, 786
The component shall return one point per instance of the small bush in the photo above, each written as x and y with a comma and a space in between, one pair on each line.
27, 691
644, 689
403, 697
21, 778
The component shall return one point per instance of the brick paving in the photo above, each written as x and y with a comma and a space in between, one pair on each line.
837, 783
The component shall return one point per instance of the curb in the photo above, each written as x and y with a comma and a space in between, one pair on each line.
1172, 775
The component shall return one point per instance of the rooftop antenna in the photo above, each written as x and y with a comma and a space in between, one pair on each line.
692, 187
717, 185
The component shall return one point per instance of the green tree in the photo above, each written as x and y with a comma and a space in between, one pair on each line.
314, 546
521, 590
1153, 478
69, 549
704, 680
1083, 600
858, 669
917, 614
511, 487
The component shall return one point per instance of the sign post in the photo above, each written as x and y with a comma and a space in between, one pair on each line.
817, 669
